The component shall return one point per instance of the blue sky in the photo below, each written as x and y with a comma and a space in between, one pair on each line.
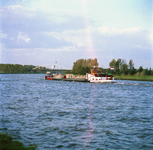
39, 32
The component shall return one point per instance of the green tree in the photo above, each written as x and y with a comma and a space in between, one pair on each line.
140, 69
118, 66
148, 72
82, 66
113, 63
131, 67
82, 70
124, 68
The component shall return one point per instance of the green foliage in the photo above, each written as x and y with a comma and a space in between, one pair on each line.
113, 63
82, 66
122, 68
82, 70
11, 68
140, 74
122, 74
68, 72
132, 70
7, 143
118, 66
140, 69
148, 72
136, 74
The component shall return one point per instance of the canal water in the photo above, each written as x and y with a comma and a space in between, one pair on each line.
76, 115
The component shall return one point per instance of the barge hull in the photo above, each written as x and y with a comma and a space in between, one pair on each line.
67, 79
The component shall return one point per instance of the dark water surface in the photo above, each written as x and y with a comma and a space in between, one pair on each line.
74, 115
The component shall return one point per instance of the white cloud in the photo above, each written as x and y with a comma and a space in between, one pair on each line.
22, 37
77, 37
114, 30
2, 35
151, 36
101, 37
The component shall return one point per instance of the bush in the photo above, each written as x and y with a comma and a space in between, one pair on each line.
142, 74
7, 143
136, 74
122, 74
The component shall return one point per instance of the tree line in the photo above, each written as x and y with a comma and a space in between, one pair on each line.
15, 68
83, 66
122, 68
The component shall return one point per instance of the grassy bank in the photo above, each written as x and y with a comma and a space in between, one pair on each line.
136, 78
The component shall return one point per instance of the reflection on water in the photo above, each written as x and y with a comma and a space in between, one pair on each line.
74, 115
88, 134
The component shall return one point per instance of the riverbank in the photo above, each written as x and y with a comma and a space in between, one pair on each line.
135, 78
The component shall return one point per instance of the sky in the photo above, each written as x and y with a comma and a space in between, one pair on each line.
41, 32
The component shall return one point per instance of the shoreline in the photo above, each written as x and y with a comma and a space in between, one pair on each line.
133, 79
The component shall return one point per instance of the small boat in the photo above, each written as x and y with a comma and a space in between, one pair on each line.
96, 76
49, 75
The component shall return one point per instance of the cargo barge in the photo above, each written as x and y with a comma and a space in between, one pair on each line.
96, 76
67, 79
